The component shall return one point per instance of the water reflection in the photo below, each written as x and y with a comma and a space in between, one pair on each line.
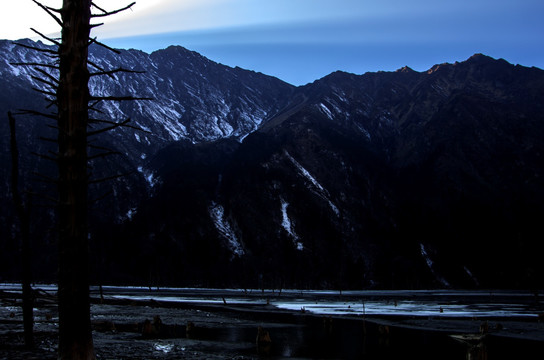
318, 338
474, 344
349, 340
328, 338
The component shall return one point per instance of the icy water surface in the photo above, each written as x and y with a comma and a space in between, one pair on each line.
423, 303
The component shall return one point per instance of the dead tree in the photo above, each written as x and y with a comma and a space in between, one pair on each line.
23, 214
72, 96
66, 85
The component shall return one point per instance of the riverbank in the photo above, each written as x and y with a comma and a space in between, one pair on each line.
128, 326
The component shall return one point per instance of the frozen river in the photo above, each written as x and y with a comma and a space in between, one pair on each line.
415, 303
448, 303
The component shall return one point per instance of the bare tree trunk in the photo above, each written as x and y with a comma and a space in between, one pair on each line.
72, 99
75, 335
24, 219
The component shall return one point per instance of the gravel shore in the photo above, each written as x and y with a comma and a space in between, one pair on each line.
150, 329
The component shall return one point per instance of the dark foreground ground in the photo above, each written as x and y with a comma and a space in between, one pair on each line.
150, 329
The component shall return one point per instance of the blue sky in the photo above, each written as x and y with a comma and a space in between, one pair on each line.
300, 41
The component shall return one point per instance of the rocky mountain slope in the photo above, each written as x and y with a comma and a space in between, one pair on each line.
193, 99
392, 179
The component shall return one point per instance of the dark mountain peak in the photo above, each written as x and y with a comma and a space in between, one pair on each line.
336, 76
407, 72
438, 67
484, 61
176, 52
406, 69
478, 68
176, 49
21, 44
480, 58
26, 41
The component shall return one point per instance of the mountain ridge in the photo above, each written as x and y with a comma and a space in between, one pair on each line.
399, 179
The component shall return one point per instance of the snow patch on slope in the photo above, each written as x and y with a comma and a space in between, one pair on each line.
469, 273
320, 190
217, 213
364, 131
326, 110
149, 176
430, 264
288, 225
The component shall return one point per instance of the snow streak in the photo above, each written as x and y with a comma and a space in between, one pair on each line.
469, 273
288, 226
217, 213
430, 264
326, 110
320, 190
148, 175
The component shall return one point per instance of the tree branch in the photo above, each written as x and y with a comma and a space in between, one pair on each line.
97, 147
37, 113
118, 98
44, 157
118, 70
51, 66
94, 104
108, 128
95, 65
92, 108
101, 121
116, 124
48, 51
43, 196
93, 201
46, 74
53, 86
51, 103
48, 139
45, 92
96, 181
94, 41
98, 7
100, 68
45, 37
108, 13
51, 12
54, 127
46, 178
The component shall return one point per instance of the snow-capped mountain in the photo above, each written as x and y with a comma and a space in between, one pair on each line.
389, 179
193, 98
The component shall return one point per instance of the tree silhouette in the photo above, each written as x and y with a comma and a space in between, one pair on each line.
23, 214
66, 85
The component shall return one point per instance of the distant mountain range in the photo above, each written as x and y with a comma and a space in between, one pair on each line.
384, 180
